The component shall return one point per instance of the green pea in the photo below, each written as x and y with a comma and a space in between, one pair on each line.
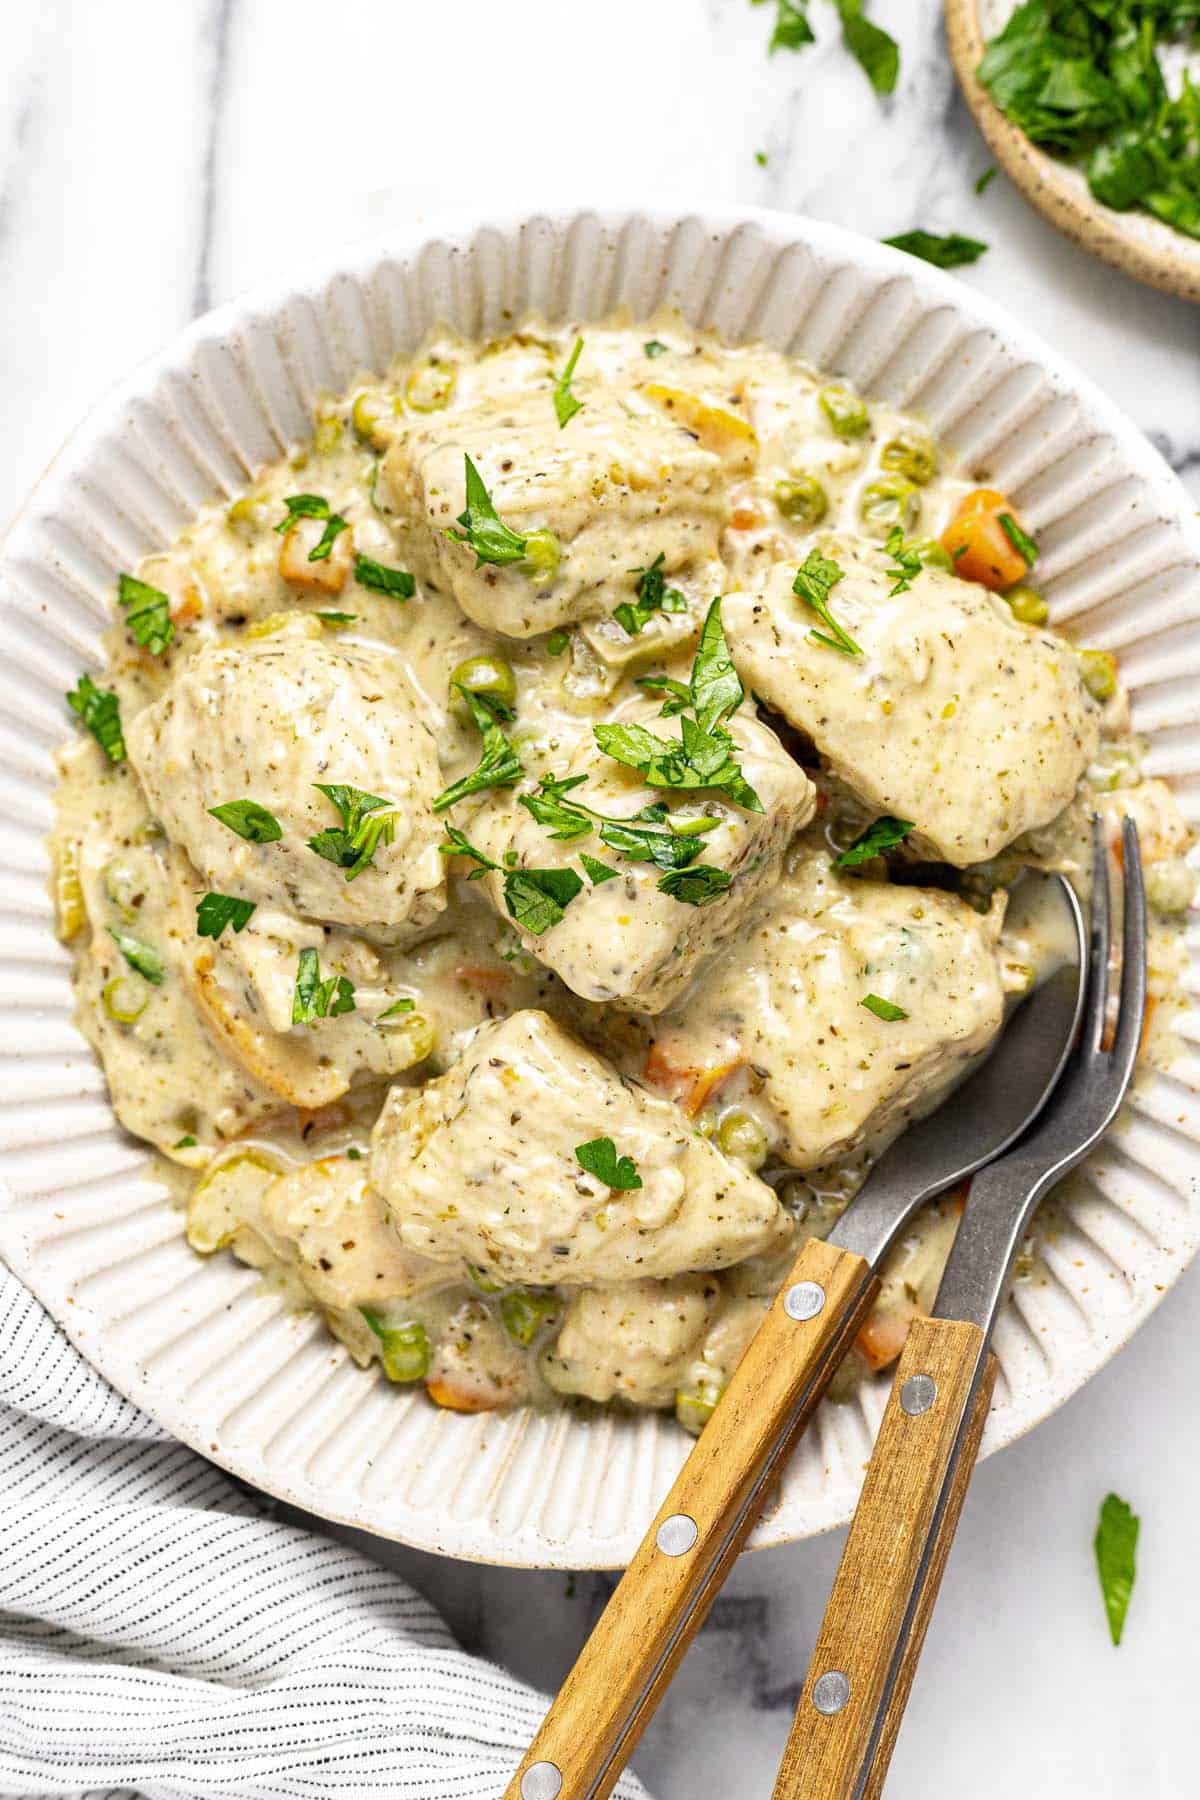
491, 677
125, 999
911, 454
1099, 671
250, 513
1170, 885
524, 1312
543, 553
802, 499
430, 387
371, 413
1027, 607
847, 414
740, 1135
403, 1349
893, 500
694, 1405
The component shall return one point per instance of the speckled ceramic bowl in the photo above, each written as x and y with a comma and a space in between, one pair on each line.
83, 1219
1135, 242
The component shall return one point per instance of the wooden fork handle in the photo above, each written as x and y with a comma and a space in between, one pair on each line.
874, 1627
664, 1596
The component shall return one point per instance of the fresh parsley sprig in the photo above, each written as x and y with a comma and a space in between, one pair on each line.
100, 710
215, 911
953, 251
482, 527
1115, 1545
647, 836
535, 898
653, 595
147, 614
565, 403
679, 695
250, 820
397, 584
882, 834
815, 580
316, 999
498, 766
599, 1158
368, 820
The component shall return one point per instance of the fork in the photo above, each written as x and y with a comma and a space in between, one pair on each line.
870, 1640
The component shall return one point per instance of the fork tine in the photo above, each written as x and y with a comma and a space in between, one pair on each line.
1092, 1035
1133, 954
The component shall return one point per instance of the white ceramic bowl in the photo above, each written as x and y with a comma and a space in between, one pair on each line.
266, 1393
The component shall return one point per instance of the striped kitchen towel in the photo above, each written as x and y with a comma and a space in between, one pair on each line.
160, 1636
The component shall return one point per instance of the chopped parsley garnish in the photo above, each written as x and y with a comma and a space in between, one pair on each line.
599, 1158
337, 619
483, 529
760, 157
986, 179
950, 252
186, 1142
1115, 1545
654, 348
815, 580
1020, 540
100, 710
147, 614
303, 506
535, 898
354, 1154
565, 403
877, 54
396, 1009
792, 29
139, 956
883, 1009
596, 871
334, 527
651, 835
397, 584
368, 820
653, 596
882, 834
250, 820
557, 642
498, 766
316, 999
1087, 83
215, 911
702, 756
679, 695
698, 885
906, 561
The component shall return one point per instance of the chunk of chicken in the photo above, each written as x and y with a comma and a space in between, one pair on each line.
954, 716
620, 484
627, 939
267, 721
480, 1165
631, 1342
784, 1006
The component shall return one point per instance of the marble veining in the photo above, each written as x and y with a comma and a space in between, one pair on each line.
157, 159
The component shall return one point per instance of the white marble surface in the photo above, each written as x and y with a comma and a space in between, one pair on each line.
158, 156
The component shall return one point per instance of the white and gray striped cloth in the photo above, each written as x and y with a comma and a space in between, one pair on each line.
159, 1636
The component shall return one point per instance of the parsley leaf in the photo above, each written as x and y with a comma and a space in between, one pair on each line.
336, 619
716, 690
949, 252
699, 885
652, 596
334, 527
460, 845
596, 871
883, 1009
538, 898
303, 506
250, 820
792, 29
367, 821
1019, 539
100, 710
879, 836
216, 911
679, 695
397, 584
815, 579
906, 559
396, 1009
486, 533
599, 1158
654, 348
498, 766
147, 614
986, 179
316, 999
1115, 1545
873, 49
139, 956
565, 403
563, 818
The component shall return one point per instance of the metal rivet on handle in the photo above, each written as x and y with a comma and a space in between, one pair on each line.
831, 1691
675, 1537
918, 1394
804, 1301
541, 1781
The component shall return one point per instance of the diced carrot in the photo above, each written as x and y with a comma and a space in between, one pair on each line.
881, 1339
980, 546
443, 1393
745, 518
482, 978
689, 1085
189, 609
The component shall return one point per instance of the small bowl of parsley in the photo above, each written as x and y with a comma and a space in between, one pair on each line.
1092, 107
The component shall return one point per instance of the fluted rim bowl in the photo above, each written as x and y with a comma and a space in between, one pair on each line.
204, 1347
